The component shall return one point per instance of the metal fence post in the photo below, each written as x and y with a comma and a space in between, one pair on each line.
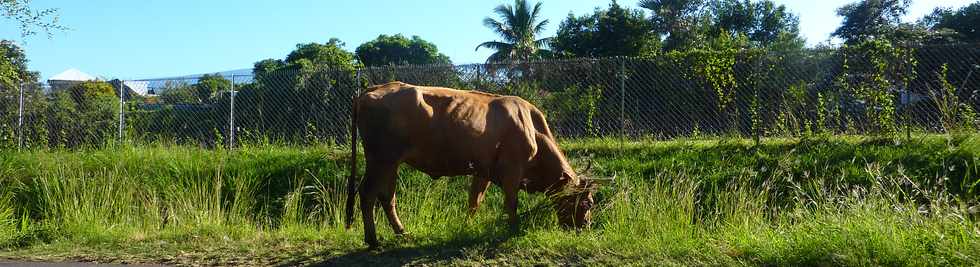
622, 99
755, 119
356, 93
20, 118
908, 95
122, 109
231, 116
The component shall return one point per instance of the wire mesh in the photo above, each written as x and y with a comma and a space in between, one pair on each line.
296, 106
581, 98
10, 110
746, 93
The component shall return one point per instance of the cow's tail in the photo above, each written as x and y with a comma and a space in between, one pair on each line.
352, 181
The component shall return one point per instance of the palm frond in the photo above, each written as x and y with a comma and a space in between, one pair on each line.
536, 11
505, 12
541, 26
495, 45
499, 28
543, 43
500, 56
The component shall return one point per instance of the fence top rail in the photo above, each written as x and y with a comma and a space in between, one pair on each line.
247, 73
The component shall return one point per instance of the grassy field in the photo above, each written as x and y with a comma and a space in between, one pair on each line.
824, 201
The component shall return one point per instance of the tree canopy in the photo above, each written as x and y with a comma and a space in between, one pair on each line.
616, 31
675, 20
962, 23
399, 50
209, 85
870, 19
13, 65
763, 22
690, 24
309, 56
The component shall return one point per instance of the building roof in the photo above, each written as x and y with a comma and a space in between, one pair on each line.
139, 87
72, 75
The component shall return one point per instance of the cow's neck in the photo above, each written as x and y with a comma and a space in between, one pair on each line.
555, 166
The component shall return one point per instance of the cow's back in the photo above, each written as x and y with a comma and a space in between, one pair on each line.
440, 131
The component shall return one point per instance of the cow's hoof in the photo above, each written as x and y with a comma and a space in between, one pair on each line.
373, 245
404, 236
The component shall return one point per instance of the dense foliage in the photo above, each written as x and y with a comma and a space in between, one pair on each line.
962, 22
399, 50
616, 31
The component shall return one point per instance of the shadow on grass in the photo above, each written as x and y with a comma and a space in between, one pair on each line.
425, 255
400, 252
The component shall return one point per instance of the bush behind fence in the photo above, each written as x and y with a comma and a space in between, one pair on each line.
873, 88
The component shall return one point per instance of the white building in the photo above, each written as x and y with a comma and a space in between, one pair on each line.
67, 78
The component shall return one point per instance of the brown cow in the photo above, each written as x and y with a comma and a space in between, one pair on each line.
447, 132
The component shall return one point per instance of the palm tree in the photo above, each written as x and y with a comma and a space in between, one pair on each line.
518, 27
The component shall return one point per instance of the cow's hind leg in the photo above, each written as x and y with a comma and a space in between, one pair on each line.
386, 194
374, 181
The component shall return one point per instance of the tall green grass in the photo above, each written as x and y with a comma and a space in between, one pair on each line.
831, 201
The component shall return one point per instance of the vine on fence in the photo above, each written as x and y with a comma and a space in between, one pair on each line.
873, 72
955, 115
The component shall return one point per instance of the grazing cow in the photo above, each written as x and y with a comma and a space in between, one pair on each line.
448, 132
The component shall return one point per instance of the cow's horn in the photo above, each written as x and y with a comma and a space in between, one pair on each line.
604, 180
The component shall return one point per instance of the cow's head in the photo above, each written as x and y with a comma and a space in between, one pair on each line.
574, 205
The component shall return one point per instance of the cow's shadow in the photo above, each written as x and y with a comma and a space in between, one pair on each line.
478, 246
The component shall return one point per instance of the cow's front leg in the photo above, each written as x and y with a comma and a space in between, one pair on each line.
510, 179
478, 189
510, 203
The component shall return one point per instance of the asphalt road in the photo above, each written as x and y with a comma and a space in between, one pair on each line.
4, 263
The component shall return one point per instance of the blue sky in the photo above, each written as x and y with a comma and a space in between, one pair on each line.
163, 38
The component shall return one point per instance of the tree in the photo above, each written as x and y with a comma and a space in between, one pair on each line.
675, 20
962, 23
309, 56
870, 19
178, 93
13, 75
29, 19
267, 66
209, 85
762, 22
520, 25
688, 24
87, 95
312, 77
774, 22
327, 55
13, 66
399, 50
83, 114
613, 32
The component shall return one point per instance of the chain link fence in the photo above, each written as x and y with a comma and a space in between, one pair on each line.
866, 90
